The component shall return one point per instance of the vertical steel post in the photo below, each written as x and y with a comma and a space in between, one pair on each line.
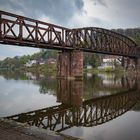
20, 29
36, 32
62, 36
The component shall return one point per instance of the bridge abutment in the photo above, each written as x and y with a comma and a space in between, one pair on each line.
70, 65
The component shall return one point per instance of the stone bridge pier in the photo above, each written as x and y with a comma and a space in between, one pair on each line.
70, 65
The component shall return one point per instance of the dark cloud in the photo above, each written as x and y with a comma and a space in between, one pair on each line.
59, 10
75, 13
100, 2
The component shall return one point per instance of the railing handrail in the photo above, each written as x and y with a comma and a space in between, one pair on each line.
30, 19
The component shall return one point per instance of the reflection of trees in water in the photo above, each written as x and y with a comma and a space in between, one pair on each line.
48, 85
91, 85
16, 75
96, 85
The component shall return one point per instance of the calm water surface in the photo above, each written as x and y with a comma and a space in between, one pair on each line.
101, 107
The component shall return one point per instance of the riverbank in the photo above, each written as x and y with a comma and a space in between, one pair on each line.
40, 69
11, 130
52, 70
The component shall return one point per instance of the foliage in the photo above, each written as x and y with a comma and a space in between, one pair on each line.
19, 62
92, 59
134, 34
137, 38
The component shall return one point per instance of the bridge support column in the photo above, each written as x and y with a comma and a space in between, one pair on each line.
70, 65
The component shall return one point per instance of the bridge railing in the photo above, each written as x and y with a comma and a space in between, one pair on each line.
26, 31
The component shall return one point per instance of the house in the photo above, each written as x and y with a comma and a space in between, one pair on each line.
109, 62
89, 67
30, 63
51, 61
41, 62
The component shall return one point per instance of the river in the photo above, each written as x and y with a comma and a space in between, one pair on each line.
101, 107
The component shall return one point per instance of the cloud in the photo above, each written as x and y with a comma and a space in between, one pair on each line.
85, 20
75, 13
100, 2
123, 14
61, 10
117, 13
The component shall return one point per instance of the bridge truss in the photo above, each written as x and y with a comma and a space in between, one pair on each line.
23, 31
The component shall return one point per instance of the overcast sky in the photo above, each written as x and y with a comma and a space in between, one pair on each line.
73, 13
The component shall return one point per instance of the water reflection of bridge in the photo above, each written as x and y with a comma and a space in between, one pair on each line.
91, 113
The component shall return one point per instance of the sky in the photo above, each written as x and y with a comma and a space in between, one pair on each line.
108, 14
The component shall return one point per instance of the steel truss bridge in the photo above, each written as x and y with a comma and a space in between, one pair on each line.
92, 112
23, 31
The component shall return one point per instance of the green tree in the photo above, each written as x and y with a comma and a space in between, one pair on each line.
92, 59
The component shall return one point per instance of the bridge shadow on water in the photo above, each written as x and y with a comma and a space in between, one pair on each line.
76, 111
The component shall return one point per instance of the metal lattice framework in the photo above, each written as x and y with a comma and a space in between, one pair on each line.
93, 112
101, 41
23, 31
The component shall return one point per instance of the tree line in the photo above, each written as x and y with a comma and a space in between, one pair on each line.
134, 34
19, 62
